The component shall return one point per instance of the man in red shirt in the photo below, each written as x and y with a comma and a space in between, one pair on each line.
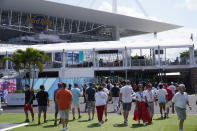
168, 100
64, 98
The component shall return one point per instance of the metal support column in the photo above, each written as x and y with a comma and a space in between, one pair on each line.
63, 59
191, 55
94, 58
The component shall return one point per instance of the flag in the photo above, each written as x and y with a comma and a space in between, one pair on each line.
155, 35
192, 37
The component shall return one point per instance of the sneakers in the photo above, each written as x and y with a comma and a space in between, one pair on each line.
144, 124
100, 123
38, 123
138, 121
27, 120
126, 122
74, 118
106, 118
45, 121
33, 120
79, 117
55, 123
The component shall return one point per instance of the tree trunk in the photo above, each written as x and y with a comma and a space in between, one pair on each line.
25, 75
34, 73
30, 76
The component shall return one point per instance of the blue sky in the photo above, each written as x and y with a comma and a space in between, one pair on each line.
181, 12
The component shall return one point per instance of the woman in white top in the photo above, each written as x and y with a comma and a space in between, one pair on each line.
141, 111
150, 99
101, 98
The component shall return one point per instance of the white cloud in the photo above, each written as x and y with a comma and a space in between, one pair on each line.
192, 4
105, 6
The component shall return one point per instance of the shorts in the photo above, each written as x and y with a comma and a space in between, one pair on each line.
42, 108
91, 105
181, 113
64, 114
56, 108
161, 100
75, 105
28, 107
168, 104
127, 106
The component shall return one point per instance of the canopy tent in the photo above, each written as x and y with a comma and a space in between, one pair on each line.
105, 45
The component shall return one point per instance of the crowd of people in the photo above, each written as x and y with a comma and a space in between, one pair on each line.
122, 95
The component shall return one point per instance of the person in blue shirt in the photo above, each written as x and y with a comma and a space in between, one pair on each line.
76, 93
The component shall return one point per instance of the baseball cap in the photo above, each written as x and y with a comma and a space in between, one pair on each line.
59, 84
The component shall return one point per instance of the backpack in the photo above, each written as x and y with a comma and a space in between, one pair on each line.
108, 87
34, 97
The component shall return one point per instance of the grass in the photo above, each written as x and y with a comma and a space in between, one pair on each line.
115, 123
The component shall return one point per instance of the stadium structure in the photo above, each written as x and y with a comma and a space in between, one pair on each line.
87, 43
22, 21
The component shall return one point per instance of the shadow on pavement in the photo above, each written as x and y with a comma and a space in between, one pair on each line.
120, 125
49, 126
83, 120
32, 125
159, 119
93, 125
136, 125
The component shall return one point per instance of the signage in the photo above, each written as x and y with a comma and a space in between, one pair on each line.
39, 23
17, 99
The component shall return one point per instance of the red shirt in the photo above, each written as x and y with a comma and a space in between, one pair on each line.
169, 96
134, 86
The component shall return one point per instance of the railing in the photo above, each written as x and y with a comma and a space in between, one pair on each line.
142, 62
80, 65
116, 63
52, 65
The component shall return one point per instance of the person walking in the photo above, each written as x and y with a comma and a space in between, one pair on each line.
43, 100
141, 111
150, 98
179, 102
162, 95
76, 93
126, 98
64, 99
105, 89
29, 97
90, 97
56, 104
168, 100
173, 88
115, 91
101, 99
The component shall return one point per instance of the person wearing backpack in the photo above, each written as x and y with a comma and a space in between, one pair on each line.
28, 106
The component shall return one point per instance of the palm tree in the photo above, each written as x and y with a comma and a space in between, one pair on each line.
16, 60
30, 59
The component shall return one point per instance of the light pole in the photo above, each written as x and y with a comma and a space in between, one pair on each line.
114, 6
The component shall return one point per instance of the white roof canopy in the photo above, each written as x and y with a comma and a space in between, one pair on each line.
109, 45
127, 25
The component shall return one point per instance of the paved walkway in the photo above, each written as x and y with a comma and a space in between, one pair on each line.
51, 109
